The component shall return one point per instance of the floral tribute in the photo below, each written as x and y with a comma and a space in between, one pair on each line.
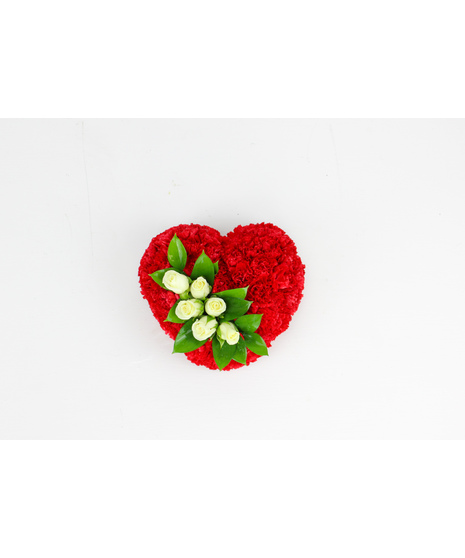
202, 301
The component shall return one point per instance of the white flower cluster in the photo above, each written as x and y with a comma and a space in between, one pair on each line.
188, 308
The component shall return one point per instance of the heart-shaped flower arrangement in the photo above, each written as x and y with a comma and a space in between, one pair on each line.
223, 299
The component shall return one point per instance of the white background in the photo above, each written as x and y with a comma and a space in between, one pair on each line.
375, 207
257, 59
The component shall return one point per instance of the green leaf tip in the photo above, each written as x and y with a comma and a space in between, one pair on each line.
240, 355
249, 323
185, 341
158, 275
222, 354
235, 293
256, 344
204, 267
235, 307
177, 255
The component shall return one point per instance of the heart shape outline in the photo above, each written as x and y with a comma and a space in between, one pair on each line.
261, 256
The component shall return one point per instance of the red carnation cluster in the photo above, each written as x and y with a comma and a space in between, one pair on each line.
261, 256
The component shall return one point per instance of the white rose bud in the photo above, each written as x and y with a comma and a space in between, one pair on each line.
176, 282
201, 329
200, 288
215, 306
188, 309
229, 333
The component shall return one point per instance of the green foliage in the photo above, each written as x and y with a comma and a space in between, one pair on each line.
172, 315
185, 341
249, 323
222, 354
204, 267
157, 276
255, 343
236, 293
235, 307
177, 255
241, 352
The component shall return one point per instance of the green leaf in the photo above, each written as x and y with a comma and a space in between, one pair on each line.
255, 343
172, 315
185, 342
222, 354
236, 293
157, 276
177, 255
241, 352
215, 267
235, 307
203, 267
249, 323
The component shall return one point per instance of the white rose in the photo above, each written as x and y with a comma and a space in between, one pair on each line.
215, 306
176, 282
201, 329
200, 288
229, 333
187, 309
